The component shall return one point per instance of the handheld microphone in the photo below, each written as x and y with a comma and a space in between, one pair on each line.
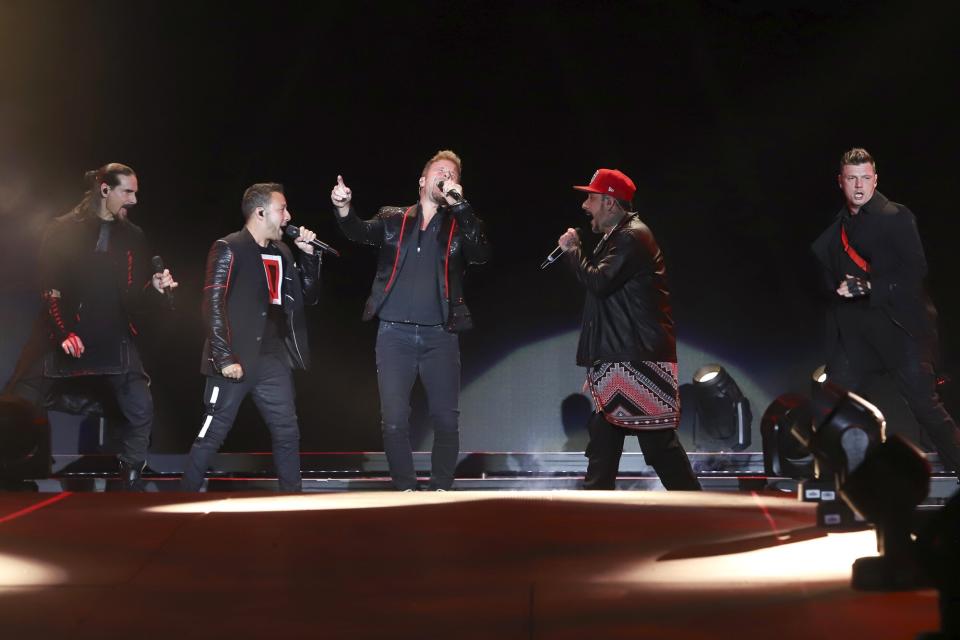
293, 233
158, 267
452, 193
554, 255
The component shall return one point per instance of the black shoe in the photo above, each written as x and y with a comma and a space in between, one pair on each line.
130, 479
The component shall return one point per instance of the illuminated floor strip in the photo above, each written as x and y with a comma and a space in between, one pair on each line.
36, 507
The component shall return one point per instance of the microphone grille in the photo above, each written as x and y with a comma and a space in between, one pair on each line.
157, 263
291, 232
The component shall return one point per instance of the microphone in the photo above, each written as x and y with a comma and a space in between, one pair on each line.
554, 255
294, 233
158, 268
452, 193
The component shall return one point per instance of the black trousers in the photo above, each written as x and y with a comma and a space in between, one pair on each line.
405, 351
131, 391
916, 382
271, 386
661, 450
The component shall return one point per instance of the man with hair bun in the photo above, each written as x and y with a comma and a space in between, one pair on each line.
96, 276
880, 319
417, 296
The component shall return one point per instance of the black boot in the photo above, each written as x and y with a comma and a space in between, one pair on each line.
130, 479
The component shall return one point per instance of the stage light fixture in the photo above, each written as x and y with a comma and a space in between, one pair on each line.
819, 375
783, 454
721, 413
938, 551
847, 428
843, 429
817, 378
885, 490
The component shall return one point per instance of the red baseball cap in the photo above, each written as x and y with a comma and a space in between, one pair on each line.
611, 182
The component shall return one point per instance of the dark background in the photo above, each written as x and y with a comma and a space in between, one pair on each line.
730, 117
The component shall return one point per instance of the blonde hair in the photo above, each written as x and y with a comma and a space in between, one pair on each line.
857, 155
444, 154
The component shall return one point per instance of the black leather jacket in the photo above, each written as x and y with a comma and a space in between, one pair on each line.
627, 313
236, 300
461, 231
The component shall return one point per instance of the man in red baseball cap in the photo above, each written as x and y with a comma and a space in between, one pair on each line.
627, 339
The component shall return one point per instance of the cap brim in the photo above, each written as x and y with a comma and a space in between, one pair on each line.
587, 188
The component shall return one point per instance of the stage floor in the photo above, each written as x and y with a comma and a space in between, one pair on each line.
531, 564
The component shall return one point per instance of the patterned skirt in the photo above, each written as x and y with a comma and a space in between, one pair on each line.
637, 395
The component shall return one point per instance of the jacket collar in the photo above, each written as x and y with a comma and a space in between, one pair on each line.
875, 205
620, 225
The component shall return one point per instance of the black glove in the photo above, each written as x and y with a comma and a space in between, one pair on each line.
858, 287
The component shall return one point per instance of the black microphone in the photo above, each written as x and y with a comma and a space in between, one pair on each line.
452, 193
294, 232
159, 268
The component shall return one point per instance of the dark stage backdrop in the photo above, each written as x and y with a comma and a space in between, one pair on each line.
730, 116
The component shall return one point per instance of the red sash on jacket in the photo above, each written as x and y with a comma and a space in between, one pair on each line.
856, 257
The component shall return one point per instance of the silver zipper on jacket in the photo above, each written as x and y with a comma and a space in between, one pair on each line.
293, 333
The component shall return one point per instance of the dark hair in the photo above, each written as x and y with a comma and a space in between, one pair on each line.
108, 174
626, 205
857, 155
258, 195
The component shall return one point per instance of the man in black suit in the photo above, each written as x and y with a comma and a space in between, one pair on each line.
880, 318
253, 300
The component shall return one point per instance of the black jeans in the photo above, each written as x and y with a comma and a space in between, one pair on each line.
661, 450
131, 391
917, 384
405, 351
133, 397
271, 385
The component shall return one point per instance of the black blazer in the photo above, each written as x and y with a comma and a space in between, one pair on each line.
236, 301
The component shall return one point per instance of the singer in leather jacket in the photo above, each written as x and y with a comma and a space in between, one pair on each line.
417, 295
626, 314
626, 339
235, 303
253, 307
391, 229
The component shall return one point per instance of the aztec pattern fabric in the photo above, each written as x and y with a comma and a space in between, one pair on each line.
637, 395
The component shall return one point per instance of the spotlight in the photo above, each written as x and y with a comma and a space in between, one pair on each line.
818, 377
844, 428
847, 428
24, 443
885, 490
722, 417
938, 551
783, 454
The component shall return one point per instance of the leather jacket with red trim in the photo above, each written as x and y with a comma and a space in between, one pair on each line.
236, 302
461, 232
